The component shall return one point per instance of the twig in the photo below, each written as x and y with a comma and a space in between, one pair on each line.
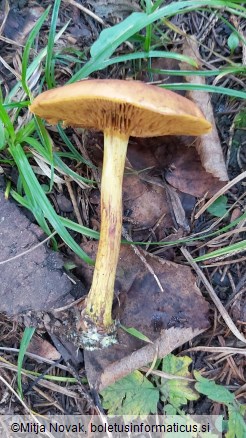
28, 250
214, 297
85, 10
23, 404
220, 192
73, 200
224, 350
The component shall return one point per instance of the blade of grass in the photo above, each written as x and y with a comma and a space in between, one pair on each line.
79, 228
66, 169
22, 104
95, 235
72, 148
113, 37
38, 194
25, 341
206, 88
4, 117
2, 136
57, 161
49, 68
25, 131
241, 69
224, 252
48, 144
148, 55
33, 66
28, 45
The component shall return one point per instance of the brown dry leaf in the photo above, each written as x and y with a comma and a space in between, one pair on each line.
146, 199
175, 159
208, 146
43, 348
176, 312
114, 10
17, 26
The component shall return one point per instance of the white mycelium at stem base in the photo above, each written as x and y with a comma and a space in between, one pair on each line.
100, 298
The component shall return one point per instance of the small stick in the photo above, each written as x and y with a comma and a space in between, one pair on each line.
73, 200
225, 315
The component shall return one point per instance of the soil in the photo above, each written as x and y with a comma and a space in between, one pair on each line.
33, 281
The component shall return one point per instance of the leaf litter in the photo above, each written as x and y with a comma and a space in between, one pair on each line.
175, 184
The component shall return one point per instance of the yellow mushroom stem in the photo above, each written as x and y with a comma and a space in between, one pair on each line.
100, 298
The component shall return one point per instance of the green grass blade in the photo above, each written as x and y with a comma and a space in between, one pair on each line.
44, 137
38, 194
66, 169
28, 45
13, 105
206, 88
25, 131
25, 341
33, 66
49, 70
79, 228
35, 144
224, 252
2, 136
4, 117
207, 73
76, 154
149, 55
110, 39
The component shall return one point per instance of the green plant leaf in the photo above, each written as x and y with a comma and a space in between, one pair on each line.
172, 364
233, 42
26, 338
240, 119
133, 395
107, 38
218, 208
6, 122
236, 424
113, 37
170, 409
206, 89
176, 391
28, 45
217, 393
33, 67
226, 251
110, 38
134, 332
2, 135
35, 192
49, 70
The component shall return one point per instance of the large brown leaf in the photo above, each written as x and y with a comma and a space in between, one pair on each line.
157, 297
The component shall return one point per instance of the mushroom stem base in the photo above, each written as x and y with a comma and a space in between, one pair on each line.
94, 337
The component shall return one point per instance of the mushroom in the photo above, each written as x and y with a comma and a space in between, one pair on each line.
119, 108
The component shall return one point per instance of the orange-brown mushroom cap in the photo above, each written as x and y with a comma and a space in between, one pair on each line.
131, 107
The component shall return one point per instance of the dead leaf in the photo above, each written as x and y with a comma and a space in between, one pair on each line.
176, 313
176, 159
208, 146
116, 10
18, 25
43, 348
